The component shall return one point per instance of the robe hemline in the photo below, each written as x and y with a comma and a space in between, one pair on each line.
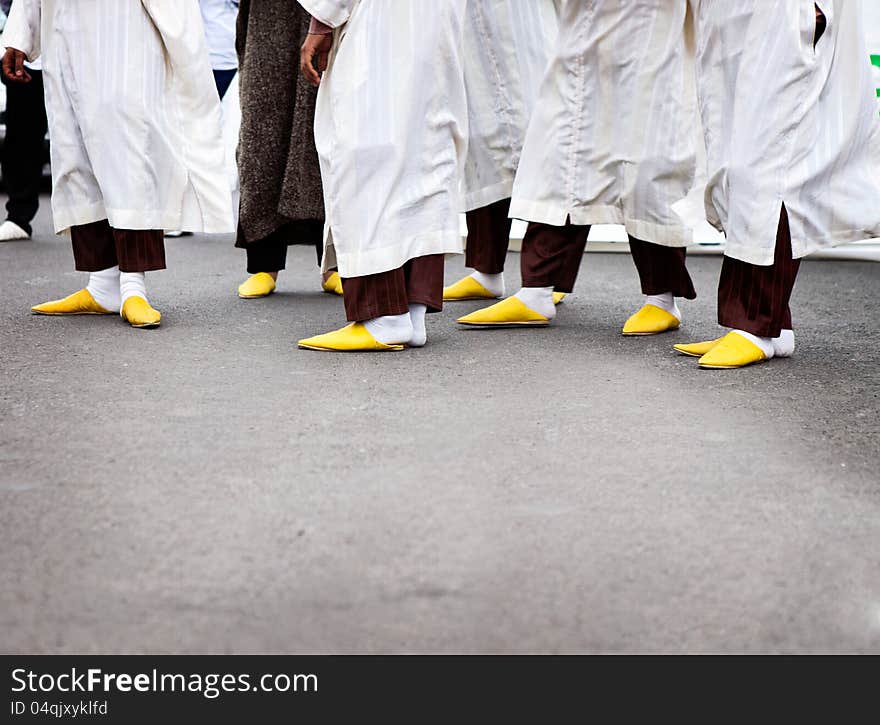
544, 213
138, 219
801, 248
385, 259
488, 195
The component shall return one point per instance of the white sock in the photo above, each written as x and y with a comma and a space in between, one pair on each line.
132, 284
10, 231
538, 299
417, 317
103, 286
765, 343
666, 301
783, 346
391, 329
492, 282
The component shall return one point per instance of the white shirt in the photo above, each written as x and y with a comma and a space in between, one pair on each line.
219, 17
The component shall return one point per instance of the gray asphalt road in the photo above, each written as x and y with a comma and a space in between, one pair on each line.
209, 488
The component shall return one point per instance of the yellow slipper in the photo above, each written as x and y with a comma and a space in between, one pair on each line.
258, 285
333, 284
651, 320
137, 312
467, 289
696, 349
734, 351
508, 313
351, 338
558, 297
79, 303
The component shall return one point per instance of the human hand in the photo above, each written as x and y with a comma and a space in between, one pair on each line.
314, 56
13, 66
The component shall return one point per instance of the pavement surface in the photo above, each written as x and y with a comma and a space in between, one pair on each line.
207, 487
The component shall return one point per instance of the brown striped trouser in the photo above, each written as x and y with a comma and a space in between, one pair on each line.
98, 246
488, 237
551, 257
756, 299
419, 281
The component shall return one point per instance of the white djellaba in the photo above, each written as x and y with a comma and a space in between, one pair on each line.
391, 160
507, 46
169, 175
135, 143
613, 137
788, 121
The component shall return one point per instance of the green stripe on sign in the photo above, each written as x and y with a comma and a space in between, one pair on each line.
875, 59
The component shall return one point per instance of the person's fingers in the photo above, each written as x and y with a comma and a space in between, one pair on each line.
7, 63
13, 66
19, 70
303, 62
307, 57
310, 73
323, 59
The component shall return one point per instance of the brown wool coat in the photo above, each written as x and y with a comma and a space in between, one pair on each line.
277, 160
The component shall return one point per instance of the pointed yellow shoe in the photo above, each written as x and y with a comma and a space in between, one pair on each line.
507, 313
467, 289
651, 320
79, 303
558, 297
137, 312
734, 351
258, 285
351, 338
333, 284
696, 349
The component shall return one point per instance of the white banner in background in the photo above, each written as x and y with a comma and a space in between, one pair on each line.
872, 35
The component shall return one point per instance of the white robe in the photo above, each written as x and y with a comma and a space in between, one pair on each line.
787, 124
391, 129
507, 49
134, 117
612, 140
